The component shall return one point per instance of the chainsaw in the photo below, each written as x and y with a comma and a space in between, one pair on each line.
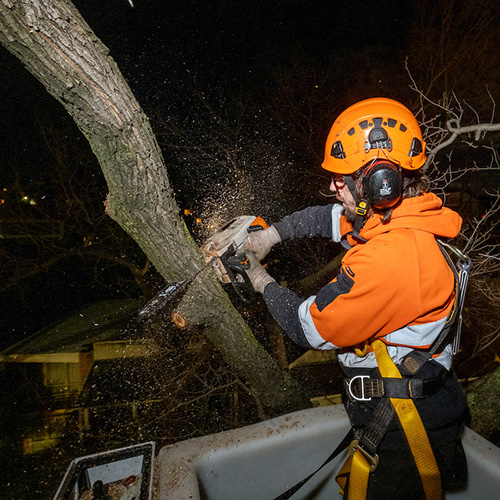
221, 252
221, 249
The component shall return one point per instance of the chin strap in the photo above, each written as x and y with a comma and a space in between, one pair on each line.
362, 207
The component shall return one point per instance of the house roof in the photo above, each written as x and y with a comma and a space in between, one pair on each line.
103, 320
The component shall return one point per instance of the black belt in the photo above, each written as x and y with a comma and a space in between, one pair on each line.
365, 388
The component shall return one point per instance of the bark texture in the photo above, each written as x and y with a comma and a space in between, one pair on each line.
484, 405
58, 47
235, 341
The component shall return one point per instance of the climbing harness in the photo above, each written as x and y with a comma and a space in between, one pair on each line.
461, 279
364, 458
397, 394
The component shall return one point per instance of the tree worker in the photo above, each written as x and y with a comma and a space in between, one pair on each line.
385, 311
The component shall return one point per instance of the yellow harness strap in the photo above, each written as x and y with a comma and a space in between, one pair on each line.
358, 466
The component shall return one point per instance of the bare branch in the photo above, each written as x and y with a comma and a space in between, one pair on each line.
455, 130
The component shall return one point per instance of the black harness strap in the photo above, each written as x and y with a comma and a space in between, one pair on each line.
338, 450
364, 388
374, 432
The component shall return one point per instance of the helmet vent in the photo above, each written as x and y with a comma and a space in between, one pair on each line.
338, 151
351, 131
416, 147
402, 127
391, 122
363, 124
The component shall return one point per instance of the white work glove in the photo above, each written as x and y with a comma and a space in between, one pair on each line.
261, 242
257, 273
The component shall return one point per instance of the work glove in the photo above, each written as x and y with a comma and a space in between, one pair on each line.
257, 273
261, 242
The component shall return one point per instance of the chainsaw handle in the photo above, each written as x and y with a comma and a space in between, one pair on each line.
236, 266
258, 224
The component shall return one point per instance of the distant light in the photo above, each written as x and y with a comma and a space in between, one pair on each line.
188, 211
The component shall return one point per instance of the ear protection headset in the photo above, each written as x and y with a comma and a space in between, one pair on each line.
383, 184
382, 188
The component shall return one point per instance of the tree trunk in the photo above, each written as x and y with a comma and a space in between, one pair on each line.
57, 46
484, 405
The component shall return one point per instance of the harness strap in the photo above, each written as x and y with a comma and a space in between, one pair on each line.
366, 388
363, 452
358, 478
340, 448
412, 363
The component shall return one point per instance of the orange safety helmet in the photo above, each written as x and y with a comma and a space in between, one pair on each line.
377, 128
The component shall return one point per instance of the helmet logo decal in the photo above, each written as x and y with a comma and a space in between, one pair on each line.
385, 190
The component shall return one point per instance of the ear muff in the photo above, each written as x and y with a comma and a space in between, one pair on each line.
383, 185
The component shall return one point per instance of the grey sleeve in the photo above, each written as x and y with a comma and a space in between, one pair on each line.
283, 304
310, 222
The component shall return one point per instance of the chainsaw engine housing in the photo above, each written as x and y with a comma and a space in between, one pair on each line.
224, 244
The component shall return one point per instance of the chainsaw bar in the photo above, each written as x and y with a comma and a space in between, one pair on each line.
166, 295
219, 252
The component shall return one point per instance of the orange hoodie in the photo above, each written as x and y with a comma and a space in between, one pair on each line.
397, 278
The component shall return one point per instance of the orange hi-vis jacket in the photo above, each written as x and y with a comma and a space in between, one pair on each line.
397, 286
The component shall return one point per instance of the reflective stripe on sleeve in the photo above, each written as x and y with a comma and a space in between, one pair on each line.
337, 212
310, 331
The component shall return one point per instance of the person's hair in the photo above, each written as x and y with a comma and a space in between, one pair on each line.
415, 183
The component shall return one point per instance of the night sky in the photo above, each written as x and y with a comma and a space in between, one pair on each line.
161, 45
226, 47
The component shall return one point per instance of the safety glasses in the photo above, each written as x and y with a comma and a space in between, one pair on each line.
338, 180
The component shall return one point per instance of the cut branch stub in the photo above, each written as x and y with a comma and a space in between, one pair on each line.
179, 320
